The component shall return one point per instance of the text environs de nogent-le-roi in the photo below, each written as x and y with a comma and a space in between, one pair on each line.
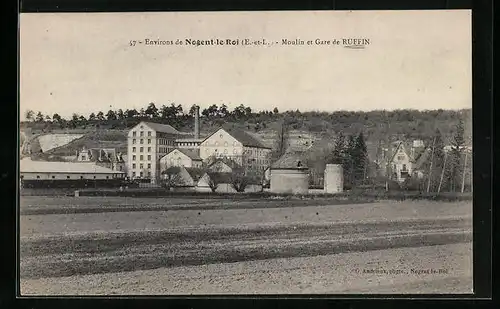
257, 42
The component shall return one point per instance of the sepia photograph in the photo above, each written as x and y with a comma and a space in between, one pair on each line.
245, 153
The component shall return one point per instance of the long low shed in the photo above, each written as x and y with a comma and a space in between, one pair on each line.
67, 174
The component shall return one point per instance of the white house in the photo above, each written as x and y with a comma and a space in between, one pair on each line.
238, 146
406, 160
181, 157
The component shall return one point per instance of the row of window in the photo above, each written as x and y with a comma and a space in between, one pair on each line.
134, 133
179, 161
187, 144
255, 151
225, 144
141, 165
141, 149
141, 157
160, 149
164, 149
162, 141
141, 141
67, 177
235, 151
141, 174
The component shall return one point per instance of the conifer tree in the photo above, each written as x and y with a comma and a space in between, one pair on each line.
349, 158
337, 155
360, 159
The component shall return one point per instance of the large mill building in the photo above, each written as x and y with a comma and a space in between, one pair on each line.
154, 147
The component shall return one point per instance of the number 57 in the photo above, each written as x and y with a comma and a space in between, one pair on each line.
132, 42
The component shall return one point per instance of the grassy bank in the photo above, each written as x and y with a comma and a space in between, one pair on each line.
355, 195
351, 195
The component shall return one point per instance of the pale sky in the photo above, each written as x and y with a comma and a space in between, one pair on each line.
82, 62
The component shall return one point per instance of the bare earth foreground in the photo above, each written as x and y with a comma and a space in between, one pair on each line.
152, 246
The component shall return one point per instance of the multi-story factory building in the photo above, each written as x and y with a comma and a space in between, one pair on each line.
147, 143
153, 147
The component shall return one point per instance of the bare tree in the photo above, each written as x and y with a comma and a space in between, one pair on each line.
214, 179
239, 181
171, 177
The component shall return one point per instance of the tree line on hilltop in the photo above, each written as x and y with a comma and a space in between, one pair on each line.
174, 114
402, 124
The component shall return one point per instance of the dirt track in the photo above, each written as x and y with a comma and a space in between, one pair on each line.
330, 274
78, 249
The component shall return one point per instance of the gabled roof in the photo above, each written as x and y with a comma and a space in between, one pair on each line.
194, 154
417, 158
227, 161
164, 128
396, 147
241, 136
291, 160
195, 173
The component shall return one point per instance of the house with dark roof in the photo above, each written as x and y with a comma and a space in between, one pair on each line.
239, 146
406, 159
187, 178
105, 157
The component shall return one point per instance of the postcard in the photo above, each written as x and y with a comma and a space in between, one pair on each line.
245, 153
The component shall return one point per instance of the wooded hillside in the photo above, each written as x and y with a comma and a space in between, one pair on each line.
375, 125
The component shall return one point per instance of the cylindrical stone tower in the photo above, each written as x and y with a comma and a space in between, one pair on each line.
334, 178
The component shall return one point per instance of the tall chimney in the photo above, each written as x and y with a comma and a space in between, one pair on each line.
197, 122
